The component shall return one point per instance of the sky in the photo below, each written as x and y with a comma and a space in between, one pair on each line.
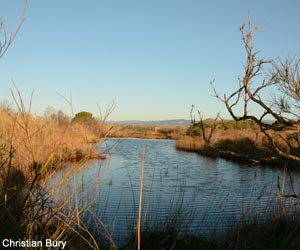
153, 59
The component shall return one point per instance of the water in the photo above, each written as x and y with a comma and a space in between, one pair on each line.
198, 194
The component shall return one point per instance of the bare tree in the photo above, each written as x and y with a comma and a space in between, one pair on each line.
207, 128
260, 76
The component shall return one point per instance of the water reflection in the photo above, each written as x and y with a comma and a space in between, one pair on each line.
205, 195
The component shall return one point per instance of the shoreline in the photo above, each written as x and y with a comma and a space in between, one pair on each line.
143, 137
243, 155
215, 153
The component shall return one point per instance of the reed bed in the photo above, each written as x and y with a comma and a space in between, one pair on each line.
32, 149
276, 228
147, 132
240, 145
39, 202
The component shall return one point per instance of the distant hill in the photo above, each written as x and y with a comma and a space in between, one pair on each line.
175, 122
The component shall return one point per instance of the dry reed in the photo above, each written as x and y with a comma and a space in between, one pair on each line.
141, 201
32, 149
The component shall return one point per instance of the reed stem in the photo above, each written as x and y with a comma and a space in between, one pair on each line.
140, 202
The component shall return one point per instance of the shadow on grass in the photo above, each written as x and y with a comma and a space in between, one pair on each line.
11, 208
169, 239
274, 234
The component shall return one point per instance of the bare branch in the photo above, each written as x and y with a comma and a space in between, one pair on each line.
8, 41
285, 75
109, 109
68, 101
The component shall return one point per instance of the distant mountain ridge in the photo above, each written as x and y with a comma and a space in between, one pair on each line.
174, 122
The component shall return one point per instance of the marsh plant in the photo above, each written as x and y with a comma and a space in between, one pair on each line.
32, 151
45, 195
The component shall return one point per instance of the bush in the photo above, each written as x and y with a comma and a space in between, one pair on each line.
243, 145
231, 124
84, 117
194, 130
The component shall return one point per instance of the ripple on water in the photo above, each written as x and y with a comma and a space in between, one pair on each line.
215, 194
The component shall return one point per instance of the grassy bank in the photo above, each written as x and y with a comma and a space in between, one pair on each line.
147, 132
32, 149
241, 144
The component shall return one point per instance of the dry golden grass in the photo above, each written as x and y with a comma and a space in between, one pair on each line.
236, 144
220, 135
31, 149
34, 139
146, 132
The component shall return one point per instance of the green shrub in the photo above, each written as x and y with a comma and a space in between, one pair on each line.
84, 117
194, 130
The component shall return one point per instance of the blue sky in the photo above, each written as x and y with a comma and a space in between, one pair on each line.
153, 58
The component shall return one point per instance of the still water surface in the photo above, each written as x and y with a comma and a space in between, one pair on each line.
200, 194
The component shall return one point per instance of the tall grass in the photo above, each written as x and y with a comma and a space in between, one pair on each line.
237, 144
242, 141
276, 227
141, 202
39, 202
147, 132
32, 149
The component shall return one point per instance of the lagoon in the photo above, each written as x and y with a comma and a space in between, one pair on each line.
194, 193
